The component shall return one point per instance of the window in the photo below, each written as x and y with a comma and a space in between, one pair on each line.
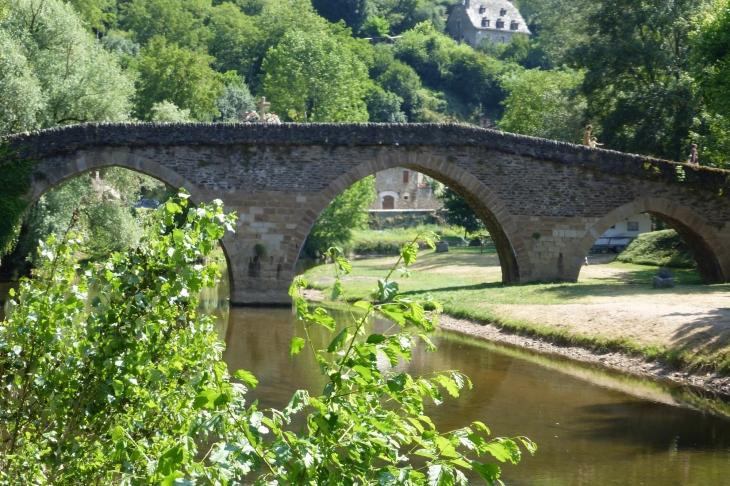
485, 22
458, 24
513, 25
502, 12
405, 176
632, 226
500, 24
482, 8
502, 40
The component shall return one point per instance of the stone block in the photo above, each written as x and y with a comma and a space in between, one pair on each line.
662, 283
442, 247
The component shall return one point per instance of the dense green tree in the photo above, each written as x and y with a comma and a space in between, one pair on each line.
98, 14
711, 59
180, 22
637, 79
402, 80
353, 12
236, 42
235, 102
169, 113
310, 77
459, 213
346, 213
384, 106
53, 72
178, 75
544, 104
376, 27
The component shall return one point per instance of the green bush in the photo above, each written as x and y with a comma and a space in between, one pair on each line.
659, 248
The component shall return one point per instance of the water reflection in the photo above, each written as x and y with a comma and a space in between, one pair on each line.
587, 433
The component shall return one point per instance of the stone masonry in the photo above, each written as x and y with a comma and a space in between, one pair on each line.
545, 203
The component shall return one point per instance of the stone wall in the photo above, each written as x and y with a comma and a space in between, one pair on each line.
545, 203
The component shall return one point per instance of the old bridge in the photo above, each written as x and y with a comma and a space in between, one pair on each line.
544, 202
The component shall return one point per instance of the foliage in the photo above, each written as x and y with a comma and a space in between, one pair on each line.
168, 112
459, 213
347, 212
384, 106
14, 185
376, 27
172, 73
131, 389
637, 80
235, 102
311, 78
659, 249
353, 12
711, 59
53, 72
544, 104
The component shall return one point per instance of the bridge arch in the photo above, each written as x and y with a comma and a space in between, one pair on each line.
500, 224
45, 179
701, 238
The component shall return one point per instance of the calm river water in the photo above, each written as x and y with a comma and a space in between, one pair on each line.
592, 427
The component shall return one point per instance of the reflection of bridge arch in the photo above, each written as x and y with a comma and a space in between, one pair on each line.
702, 239
487, 206
42, 182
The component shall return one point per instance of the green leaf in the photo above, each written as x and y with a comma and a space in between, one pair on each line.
247, 377
481, 427
386, 290
321, 317
449, 384
296, 346
503, 450
440, 475
394, 312
375, 339
409, 253
488, 472
338, 341
336, 290
206, 399
299, 282
344, 265
361, 304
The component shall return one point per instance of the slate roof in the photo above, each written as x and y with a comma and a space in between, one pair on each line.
492, 10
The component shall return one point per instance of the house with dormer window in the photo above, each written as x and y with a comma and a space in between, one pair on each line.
471, 21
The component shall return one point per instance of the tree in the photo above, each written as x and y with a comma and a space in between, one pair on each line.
404, 82
53, 72
178, 75
459, 213
353, 12
236, 41
544, 104
347, 212
180, 22
309, 77
384, 106
637, 82
376, 27
168, 112
235, 102
131, 389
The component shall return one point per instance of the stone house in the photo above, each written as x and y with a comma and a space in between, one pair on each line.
471, 21
402, 188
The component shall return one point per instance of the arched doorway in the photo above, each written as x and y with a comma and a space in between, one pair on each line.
388, 202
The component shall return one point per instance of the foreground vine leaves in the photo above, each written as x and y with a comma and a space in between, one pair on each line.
369, 425
129, 388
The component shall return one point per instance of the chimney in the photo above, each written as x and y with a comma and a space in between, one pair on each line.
466, 3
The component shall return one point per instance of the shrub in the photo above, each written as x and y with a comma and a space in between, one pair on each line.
659, 248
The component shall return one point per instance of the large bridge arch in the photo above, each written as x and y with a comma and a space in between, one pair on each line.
45, 179
489, 208
702, 238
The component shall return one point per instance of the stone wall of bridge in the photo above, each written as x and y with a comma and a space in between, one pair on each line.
545, 203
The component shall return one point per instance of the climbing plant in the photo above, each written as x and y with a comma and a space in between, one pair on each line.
14, 184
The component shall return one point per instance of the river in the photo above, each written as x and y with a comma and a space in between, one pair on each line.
592, 426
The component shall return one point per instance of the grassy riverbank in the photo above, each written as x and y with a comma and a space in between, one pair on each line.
612, 307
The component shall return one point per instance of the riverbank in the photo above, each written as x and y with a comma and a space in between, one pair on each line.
611, 316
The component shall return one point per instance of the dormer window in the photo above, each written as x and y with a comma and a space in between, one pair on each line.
485, 22
514, 25
482, 9
500, 24
502, 12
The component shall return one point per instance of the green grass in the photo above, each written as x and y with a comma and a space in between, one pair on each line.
468, 284
659, 248
390, 241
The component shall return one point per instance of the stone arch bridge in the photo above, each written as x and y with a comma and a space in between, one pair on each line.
544, 202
